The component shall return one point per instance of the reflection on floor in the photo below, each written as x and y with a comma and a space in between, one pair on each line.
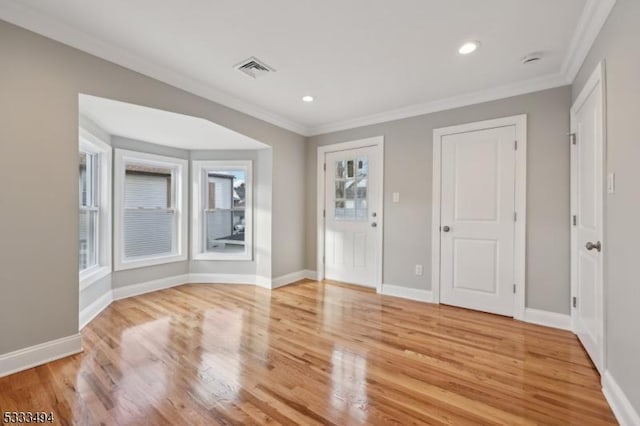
310, 353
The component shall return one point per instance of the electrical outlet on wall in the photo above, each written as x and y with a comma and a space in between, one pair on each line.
396, 197
418, 269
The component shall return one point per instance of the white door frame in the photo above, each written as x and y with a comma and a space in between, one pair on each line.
378, 143
520, 123
597, 77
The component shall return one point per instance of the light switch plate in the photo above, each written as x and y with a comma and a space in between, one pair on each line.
419, 270
611, 183
396, 197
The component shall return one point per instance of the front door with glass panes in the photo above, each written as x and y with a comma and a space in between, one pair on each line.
351, 222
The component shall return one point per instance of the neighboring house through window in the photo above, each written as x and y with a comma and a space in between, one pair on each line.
222, 215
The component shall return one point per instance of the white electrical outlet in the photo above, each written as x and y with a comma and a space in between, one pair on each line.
418, 269
396, 197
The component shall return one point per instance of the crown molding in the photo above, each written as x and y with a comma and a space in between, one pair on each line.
515, 89
594, 15
591, 21
32, 20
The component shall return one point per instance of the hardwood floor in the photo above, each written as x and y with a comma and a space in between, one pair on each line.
310, 353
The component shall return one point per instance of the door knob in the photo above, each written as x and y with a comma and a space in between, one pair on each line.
446, 229
374, 225
596, 246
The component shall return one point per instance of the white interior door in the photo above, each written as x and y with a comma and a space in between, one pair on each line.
477, 220
352, 224
587, 205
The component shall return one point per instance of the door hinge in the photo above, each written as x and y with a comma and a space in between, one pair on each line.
323, 260
514, 289
575, 302
324, 213
573, 139
575, 220
324, 167
515, 145
515, 216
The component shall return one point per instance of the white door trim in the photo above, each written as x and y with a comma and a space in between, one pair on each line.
378, 143
520, 123
597, 77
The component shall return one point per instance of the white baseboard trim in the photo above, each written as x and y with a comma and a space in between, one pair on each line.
223, 279
289, 279
149, 286
618, 401
407, 293
549, 319
94, 309
311, 275
33, 356
263, 282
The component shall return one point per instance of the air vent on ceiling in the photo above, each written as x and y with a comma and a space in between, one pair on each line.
253, 67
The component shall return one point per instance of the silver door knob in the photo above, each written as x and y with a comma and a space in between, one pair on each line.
592, 246
374, 225
446, 229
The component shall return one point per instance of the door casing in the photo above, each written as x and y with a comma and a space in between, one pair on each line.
378, 143
597, 77
520, 185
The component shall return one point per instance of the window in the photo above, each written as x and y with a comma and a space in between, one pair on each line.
94, 196
151, 197
351, 189
222, 210
89, 209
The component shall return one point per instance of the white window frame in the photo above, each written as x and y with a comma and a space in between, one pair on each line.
198, 169
180, 181
92, 144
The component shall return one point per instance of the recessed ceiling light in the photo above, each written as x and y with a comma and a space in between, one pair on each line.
307, 98
469, 47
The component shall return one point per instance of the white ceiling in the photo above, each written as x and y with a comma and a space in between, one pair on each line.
161, 127
363, 60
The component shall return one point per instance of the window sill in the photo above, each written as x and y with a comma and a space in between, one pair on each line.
150, 261
90, 276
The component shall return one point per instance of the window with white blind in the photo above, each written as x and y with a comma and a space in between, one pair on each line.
222, 210
150, 198
94, 197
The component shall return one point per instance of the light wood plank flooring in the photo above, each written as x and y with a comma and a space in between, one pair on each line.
310, 353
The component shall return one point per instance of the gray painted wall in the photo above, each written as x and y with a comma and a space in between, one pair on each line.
408, 170
617, 45
40, 80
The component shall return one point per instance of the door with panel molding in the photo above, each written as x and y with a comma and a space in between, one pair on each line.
477, 220
587, 123
352, 223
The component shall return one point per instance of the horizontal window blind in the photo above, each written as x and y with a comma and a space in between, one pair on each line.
147, 191
88, 238
148, 232
148, 221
